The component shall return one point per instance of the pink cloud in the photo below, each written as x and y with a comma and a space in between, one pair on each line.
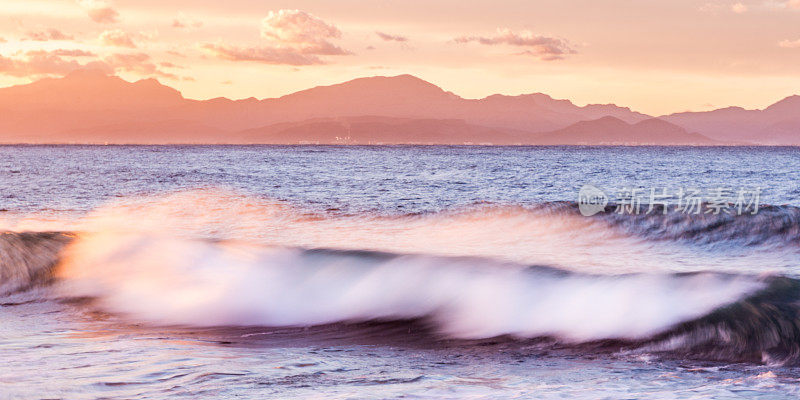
100, 11
544, 47
39, 63
739, 8
73, 53
789, 44
301, 31
118, 38
49, 34
183, 21
793, 4
391, 38
294, 38
138, 63
268, 55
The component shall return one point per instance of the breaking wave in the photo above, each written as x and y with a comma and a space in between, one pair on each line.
220, 259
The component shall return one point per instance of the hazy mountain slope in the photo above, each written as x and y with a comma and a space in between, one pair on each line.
613, 131
776, 124
88, 106
377, 130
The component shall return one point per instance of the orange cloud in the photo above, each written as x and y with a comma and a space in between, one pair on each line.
183, 21
301, 31
50, 34
73, 53
39, 63
268, 55
138, 63
100, 11
790, 44
295, 38
391, 38
118, 38
739, 8
794, 4
544, 47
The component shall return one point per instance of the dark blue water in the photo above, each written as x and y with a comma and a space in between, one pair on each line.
393, 272
394, 179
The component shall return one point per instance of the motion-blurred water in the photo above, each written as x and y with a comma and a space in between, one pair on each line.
382, 272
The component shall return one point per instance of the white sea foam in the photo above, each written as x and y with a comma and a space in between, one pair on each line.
170, 280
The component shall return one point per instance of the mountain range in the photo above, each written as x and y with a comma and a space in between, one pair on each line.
87, 106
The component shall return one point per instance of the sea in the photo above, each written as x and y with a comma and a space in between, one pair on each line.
421, 272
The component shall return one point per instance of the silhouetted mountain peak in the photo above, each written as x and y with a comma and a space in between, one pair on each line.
605, 121
400, 85
788, 105
89, 89
656, 122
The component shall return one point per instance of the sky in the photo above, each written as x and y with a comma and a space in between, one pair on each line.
656, 57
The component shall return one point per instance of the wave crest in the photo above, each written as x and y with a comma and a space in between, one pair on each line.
170, 280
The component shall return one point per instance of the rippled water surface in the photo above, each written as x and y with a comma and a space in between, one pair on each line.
389, 272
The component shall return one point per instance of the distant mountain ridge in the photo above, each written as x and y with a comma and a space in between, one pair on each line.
613, 131
777, 124
90, 107
387, 130
379, 130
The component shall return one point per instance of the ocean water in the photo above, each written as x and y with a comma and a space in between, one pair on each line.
399, 271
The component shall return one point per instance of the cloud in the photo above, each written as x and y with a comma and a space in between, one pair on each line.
100, 11
184, 21
38, 63
391, 38
301, 31
41, 63
793, 4
2, 40
49, 34
139, 63
544, 47
789, 44
118, 38
294, 38
268, 55
739, 8
73, 53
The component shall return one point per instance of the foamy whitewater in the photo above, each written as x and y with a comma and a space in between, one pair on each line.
453, 272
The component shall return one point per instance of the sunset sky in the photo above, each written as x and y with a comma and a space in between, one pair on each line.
654, 56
